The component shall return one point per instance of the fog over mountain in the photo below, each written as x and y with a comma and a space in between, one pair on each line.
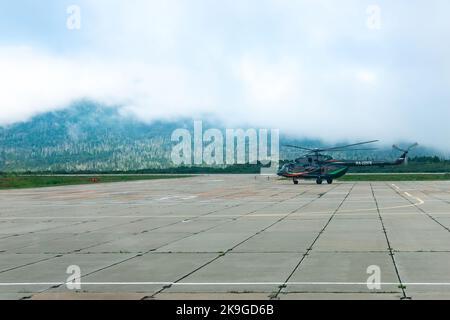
319, 69
91, 136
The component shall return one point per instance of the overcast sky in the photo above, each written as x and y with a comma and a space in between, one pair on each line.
312, 68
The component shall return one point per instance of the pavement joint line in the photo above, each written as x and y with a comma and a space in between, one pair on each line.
390, 249
435, 197
95, 230
423, 211
245, 252
342, 212
130, 222
128, 203
153, 249
72, 234
163, 283
224, 253
53, 256
312, 214
48, 229
350, 203
304, 256
60, 255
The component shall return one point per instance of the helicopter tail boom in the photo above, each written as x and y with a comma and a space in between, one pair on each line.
403, 159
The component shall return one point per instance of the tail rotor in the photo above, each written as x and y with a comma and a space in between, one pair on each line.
405, 151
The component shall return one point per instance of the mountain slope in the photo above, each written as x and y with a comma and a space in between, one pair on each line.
88, 136
84, 137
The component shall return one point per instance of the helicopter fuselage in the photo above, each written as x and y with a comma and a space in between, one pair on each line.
325, 168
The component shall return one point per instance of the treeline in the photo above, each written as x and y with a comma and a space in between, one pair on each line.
243, 169
433, 159
429, 164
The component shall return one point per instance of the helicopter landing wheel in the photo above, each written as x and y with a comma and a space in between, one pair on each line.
295, 181
329, 181
319, 181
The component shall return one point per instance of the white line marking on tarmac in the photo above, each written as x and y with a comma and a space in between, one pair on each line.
176, 197
12, 284
420, 201
301, 215
341, 213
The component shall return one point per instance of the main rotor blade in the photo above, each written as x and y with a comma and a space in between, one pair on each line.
349, 145
407, 149
348, 150
303, 148
398, 148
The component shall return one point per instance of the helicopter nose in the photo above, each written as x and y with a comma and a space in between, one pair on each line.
281, 171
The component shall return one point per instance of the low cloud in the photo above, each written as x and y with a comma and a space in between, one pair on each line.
309, 68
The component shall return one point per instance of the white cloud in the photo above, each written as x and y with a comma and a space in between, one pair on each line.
366, 76
310, 68
34, 82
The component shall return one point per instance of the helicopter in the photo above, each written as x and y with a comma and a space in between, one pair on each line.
322, 167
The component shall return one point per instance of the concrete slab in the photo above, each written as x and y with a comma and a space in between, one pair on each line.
240, 272
357, 240
10, 261
45, 274
415, 240
210, 296
87, 296
342, 272
61, 244
139, 243
14, 296
263, 227
340, 296
299, 225
426, 274
144, 274
207, 242
277, 241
